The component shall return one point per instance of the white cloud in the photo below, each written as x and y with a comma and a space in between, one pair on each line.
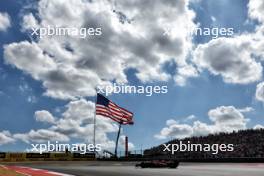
258, 126
246, 109
130, 39
202, 129
175, 130
44, 116
41, 135
255, 10
121, 143
76, 123
6, 137
191, 117
227, 119
32, 60
235, 59
223, 118
80, 110
5, 21
71, 68
183, 73
171, 122
260, 92
231, 58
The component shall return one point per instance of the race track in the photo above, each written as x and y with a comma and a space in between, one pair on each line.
128, 169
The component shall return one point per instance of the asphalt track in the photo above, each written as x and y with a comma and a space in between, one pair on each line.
128, 169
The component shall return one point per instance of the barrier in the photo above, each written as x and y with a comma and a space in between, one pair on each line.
13, 157
2, 155
37, 155
60, 156
86, 156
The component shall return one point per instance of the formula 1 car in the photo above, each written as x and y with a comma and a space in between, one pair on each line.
158, 164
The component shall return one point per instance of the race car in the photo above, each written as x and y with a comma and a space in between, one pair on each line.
158, 164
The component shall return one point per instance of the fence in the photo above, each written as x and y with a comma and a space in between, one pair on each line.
11, 157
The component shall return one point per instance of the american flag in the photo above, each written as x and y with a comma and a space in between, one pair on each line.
109, 109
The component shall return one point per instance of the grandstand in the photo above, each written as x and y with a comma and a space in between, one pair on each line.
248, 144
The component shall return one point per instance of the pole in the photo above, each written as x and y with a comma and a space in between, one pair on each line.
94, 142
117, 139
126, 146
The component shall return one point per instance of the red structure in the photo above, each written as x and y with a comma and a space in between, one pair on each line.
126, 146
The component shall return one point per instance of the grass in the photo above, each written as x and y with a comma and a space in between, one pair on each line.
6, 172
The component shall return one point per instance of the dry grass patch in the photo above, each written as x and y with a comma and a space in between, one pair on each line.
6, 172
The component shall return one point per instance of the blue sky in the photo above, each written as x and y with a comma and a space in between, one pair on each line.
22, 93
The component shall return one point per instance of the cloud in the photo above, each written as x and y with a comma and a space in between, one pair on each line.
185, 72
41, 135
6, 137
5, 21
44, 116
246, 109
190, 117
175, 130
32, 59
259, 95
121, 143
80, 110
258, 126
72, 67
227, 119
235, 59
223, 118
231, 58
203, 129
255, 10
76, 122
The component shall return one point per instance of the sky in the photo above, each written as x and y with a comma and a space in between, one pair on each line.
48, 84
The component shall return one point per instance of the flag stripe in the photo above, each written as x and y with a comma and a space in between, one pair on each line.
109, 116
119, 111
111, 104
114, 112
111, 110
104, 111
105, 114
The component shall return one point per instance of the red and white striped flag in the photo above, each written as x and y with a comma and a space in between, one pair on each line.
109, 109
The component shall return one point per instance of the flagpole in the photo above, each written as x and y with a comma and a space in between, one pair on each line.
94, 142
118, 134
